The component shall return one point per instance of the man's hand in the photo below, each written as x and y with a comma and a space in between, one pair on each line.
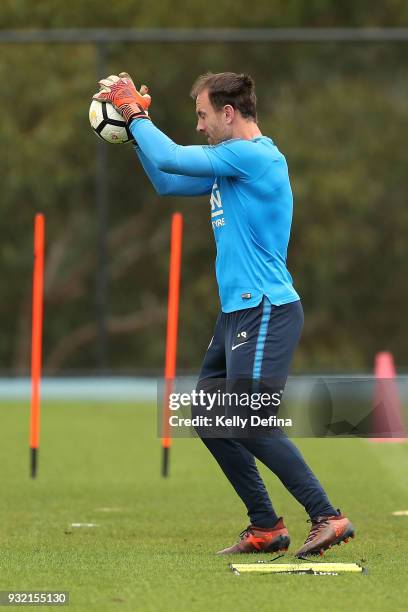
122, 93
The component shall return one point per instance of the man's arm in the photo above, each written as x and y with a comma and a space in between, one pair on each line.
166, 155
193, 160
172, 184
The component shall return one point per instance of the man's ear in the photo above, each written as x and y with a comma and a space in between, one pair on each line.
229, 112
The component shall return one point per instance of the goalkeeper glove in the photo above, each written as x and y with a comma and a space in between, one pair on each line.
122, 93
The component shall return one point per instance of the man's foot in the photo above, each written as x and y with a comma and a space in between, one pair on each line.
325, 532
260, 539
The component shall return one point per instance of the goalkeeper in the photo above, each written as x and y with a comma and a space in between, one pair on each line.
261, 316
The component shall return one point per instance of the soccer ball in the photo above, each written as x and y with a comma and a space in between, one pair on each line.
108, 124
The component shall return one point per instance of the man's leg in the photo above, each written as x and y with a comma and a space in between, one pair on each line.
237, 463
272, 334
282, 457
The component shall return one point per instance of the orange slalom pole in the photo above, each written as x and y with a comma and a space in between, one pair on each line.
36, 339
172, 328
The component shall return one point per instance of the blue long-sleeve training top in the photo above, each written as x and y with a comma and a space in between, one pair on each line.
251, 208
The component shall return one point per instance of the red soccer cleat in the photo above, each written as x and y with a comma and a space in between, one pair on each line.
260, 540
325, 532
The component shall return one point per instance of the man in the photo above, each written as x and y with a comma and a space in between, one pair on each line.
259, 326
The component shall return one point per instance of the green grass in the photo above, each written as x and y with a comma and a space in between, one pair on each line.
156, 550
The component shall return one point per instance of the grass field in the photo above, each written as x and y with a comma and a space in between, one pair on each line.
154, 548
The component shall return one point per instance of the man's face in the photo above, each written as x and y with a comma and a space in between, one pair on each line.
213, 124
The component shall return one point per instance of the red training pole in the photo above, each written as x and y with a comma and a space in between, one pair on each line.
171, 337
36, 339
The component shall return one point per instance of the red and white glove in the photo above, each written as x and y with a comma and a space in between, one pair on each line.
122, 93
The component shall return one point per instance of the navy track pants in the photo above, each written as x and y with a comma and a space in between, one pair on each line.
257, 344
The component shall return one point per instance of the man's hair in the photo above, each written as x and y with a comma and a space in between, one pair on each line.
238, 90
